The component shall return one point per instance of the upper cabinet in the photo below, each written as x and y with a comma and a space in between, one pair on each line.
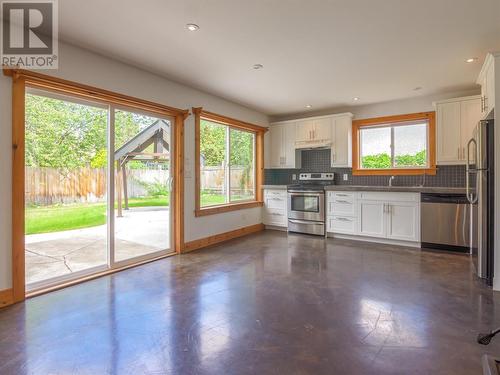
313, 132
288, 138
456, 120
487, 81
341, 149
282, 152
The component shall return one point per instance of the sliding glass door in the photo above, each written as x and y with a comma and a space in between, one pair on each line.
142, 185
97, 187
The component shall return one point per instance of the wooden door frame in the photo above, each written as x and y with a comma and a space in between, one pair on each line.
22, 79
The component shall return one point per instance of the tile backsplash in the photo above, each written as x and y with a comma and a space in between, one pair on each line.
319, 161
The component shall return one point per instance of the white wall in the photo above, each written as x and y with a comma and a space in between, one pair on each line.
396, 107
82, 66
496, 257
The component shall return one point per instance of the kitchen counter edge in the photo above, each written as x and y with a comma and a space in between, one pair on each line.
398, 189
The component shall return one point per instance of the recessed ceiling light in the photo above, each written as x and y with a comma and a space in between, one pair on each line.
192, 27
355, 98
258, 66
308, 106
470, 60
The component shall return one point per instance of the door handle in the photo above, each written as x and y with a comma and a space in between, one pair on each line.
295, 221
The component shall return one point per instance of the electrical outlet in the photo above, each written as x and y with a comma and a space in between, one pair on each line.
346, 176
294, 176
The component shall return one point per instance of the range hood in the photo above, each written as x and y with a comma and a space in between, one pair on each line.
307, 145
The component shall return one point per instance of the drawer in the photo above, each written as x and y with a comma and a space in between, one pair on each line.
275, 217
341, 224
341, 207
389, 197
344, 195
275, 202
274, 193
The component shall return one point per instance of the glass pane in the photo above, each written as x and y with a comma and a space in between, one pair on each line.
142, 185
66, 182
305, 203
242, 165
213, 172
410, 144
375, 148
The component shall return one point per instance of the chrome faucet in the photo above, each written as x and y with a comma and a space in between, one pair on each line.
390, 180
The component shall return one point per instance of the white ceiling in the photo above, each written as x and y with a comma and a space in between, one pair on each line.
318, 52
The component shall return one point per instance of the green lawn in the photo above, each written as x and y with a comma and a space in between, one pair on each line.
59, 218
76, 216
213, 199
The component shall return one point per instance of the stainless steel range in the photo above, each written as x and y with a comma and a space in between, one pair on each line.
306, 203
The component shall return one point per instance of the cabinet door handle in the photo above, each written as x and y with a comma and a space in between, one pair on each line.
458, 153
485, 103
343, 219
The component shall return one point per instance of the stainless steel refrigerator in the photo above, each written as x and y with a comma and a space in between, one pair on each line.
480, 193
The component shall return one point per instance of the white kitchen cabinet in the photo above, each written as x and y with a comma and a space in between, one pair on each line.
322, 129
275, 208
282, 152
487, 81
371, 218
386, 216
403, 221
313, 131
304, 131
341, 212
341, 224
341, 149
456, 119
395, 216
288, 138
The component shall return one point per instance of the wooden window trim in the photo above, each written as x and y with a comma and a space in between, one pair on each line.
22, 79
259, 131
357, 125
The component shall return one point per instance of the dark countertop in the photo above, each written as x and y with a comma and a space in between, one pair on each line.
396, 189
409, 189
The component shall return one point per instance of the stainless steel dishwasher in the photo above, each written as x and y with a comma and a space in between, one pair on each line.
445, 222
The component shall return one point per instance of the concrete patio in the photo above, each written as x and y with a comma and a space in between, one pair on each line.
140, 231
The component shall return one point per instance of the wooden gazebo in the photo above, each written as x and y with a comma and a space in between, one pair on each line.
158, 135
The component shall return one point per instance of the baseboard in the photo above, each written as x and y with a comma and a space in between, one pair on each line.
221, 237
6, 297
274, 227
385, 241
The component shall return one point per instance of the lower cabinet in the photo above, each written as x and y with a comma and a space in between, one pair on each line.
341, 224
371, 218
403, 221
275, 208
393, 216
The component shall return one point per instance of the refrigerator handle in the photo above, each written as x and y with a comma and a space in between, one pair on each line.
470, 196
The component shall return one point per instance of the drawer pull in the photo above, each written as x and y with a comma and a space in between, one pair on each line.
341, 195
342, 219
343, 201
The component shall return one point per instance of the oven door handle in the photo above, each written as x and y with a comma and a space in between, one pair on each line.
295, 221
307, 193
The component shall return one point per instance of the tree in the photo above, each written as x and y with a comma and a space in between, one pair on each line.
67, 135
383, 161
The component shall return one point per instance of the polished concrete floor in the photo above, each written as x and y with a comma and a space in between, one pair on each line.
267, 303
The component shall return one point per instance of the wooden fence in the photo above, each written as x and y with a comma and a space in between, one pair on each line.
48, 186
